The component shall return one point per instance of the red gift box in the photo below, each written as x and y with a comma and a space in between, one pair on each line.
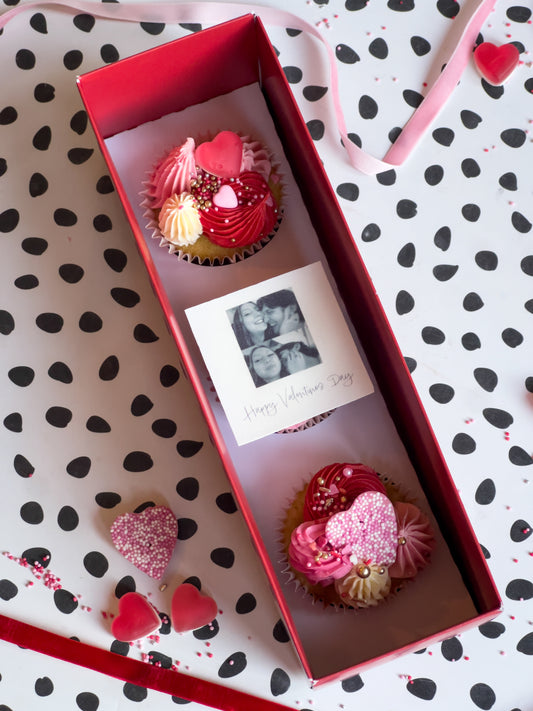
164, 83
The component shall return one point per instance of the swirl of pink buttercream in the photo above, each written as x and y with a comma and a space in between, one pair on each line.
311, 554
255, 158
415, 541
335, 487
173, 174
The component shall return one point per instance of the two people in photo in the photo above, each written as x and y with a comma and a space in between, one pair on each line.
270, 316
273, 336
268, 364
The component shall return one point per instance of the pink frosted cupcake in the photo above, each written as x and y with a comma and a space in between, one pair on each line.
215, 202
350, 540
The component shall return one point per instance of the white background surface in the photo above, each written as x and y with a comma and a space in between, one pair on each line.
459, 302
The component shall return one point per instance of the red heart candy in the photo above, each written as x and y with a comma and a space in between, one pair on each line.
369, 526
222, 156
496, 64
136, 618
191, 609
147, 539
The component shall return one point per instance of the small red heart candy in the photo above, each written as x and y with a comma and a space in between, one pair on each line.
136, 618
496, 64
222, 156
191, 609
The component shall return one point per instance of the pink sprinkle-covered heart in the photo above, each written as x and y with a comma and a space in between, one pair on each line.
369, 527
147, 539
191, 609
496, 64
136, 618
222, 156
225, 197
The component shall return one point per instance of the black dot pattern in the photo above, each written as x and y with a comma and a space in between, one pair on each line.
96, 418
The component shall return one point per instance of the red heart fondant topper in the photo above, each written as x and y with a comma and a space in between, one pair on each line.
191, 609
136, 618
496, 64
222, 156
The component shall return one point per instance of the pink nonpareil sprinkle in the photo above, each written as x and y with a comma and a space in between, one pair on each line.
369, 527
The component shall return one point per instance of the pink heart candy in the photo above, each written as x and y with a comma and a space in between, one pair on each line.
136, 618
225, 197
147, 539
496, 64
191, 609
222, 156
369, 526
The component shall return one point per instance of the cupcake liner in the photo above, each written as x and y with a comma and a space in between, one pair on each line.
301, 426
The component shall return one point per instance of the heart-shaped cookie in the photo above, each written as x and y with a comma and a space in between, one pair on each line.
191, 609
136, 618
369, 527
222, 156
147, 539
496, 64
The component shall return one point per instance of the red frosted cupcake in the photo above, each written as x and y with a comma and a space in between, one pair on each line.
215, 202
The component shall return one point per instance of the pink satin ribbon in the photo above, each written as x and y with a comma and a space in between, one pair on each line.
214, 12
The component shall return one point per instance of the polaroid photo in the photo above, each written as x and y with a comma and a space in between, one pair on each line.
279, 352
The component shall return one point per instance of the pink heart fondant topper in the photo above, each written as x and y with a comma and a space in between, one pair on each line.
222, 156
496, 64
136, 618
369, 527
191, 609
147, 539
225, 197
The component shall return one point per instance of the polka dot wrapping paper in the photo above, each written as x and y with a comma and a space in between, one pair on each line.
93, 396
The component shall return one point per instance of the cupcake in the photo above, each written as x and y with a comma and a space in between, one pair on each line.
215, 202
351, 538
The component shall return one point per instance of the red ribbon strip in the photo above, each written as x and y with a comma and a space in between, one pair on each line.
132, 670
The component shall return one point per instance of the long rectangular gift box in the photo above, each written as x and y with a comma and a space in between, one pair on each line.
141, 106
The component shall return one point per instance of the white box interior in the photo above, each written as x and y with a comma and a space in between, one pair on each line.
271, 470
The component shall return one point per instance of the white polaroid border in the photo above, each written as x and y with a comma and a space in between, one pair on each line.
334, 373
